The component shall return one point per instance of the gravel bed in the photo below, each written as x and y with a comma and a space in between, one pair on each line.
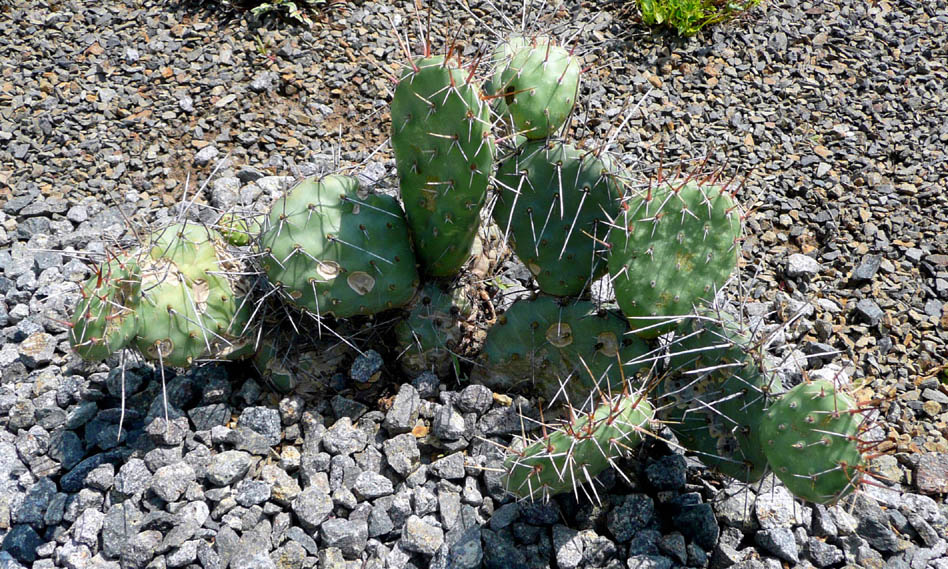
834, 113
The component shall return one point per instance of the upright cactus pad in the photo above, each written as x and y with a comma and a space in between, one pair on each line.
670, 249
540, 82
715, 394
106, 318
194, 302
338, 251
434, 328
810, 437
561, 350
444, 154
556, 202
578, 450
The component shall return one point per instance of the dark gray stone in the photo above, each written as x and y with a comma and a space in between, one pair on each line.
448, 424
401, 417
369, 486
426, 384
251, 492
868, 311
632, 514
312, 507
365, 366
779, 542
667, 473
649, 562
35, 503
21, 542
227, 467
673, 545
823, 554
567, 547
475, 398
401, 453
866, 269
349, 536
450, 467
262, 420
698, 524
140, 549
121, 522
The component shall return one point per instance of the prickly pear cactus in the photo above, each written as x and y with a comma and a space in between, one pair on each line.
106, 319
434, 328
239, 230
578, 450
561, 350
715, 393
810, 438
444, 154
556, 201
540, 82
194, 303
671, 248
336, 250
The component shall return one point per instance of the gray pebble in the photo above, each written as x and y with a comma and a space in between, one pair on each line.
450, 467
205, 155
251, 492
800, 265
312, 507
404, 411
369, 486
567, 547
169, 482
401, 453
349, 536
133, 477
140, 549
365, 366
868, 311
421, 537
228, 467
344, 439
426, 384
632, 514
779, 542
448, 424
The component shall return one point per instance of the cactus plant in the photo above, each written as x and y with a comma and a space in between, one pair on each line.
444, 155
194, 302
539, 81
556, 202
579, 449
810, 438
335, 250
560, 349
671, 248
715, 393
433, 328
106, 319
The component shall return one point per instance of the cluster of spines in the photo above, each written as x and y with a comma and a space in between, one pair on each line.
568, 456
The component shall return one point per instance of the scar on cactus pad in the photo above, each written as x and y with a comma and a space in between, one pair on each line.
444, 155
336, 250
672, 246
811, 439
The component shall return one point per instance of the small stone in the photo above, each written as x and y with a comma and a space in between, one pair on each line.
22, 542
421, 537
776, 508
345, 407
567, 547
931, 473
866, 269
349, 536
467, 552
403, 414
344, 439
401, 453
263, 81
649, 562
169, 482
779, 542
251, 492
283, 487
450, 467
448, 424
185, 554
633, 513
868, 311
140, 550
37, 350
426, 384
228, 467
475, 398
205, 155
133, 477
668, 472
823, 554
366, 366
369, 486
312, 507
262, 420
800, 265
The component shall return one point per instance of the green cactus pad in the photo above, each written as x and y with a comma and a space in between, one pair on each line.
194, 303
557, 202
671, 249
433, 329
560, 349
540, 82
810, 438
715, 393
575, 453
238, 230
444, 155
338, 251
105, 320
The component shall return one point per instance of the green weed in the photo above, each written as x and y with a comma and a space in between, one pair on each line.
690, 16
